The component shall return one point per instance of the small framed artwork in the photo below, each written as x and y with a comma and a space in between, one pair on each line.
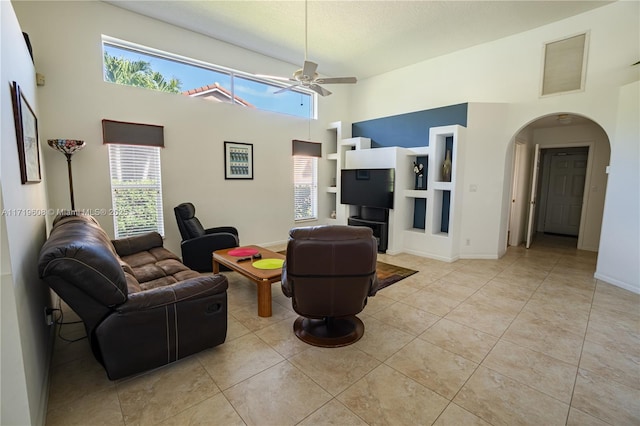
238, 160
26, 124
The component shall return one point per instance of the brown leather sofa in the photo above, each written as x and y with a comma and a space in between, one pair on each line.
329, 273
141, 307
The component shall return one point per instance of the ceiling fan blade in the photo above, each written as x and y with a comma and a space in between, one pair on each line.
319, 89
337, 80
309, 69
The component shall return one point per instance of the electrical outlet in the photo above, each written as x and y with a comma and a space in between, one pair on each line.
48, 316
468, 242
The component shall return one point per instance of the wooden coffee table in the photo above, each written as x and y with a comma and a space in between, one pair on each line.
262, 277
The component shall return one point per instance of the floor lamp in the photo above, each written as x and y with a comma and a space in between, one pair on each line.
68, 147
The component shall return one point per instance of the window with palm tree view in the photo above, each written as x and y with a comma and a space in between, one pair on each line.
134, 65
136, 189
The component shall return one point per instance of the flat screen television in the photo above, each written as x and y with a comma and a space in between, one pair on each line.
367, 187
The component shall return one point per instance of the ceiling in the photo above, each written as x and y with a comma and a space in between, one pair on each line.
358, 38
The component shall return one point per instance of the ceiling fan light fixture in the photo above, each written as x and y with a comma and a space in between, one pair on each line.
304, 78
564, 119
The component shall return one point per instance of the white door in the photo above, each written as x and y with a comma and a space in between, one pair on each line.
518, 195
566, 188
534, 195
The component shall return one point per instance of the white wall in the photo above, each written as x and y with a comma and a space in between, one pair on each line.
26, 340
76, 99
485, 154
507, 72
620, 242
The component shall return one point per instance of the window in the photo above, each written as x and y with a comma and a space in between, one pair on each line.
136, 190
305, 182
134, 65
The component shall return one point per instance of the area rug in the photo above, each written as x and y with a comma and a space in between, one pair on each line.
391, 274
387, 274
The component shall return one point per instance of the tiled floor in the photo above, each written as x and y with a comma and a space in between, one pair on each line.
531, 338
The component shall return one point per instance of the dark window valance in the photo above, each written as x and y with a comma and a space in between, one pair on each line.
121, 132
306, 148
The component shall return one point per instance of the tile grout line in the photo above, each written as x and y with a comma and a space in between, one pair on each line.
479, 364
584, 338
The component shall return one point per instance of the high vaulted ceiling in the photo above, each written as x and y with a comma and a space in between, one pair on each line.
358, 38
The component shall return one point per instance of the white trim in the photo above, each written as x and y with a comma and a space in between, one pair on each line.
480, 256
428, 255
612, 281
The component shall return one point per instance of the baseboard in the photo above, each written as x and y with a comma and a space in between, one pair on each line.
447, 259
431, 256
480, 256
617, 283
272, 244
393, 252
44, 396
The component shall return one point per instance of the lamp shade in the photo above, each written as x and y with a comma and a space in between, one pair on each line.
66, 146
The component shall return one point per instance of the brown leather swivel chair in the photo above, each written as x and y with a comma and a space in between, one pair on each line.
329, 273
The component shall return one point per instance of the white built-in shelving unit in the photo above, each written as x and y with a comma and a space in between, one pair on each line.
428, 239
435, 240
337, 148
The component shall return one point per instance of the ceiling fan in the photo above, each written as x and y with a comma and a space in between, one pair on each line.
307, 75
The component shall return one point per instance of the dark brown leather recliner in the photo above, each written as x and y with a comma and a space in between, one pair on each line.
141, 307
329, 273
197, 242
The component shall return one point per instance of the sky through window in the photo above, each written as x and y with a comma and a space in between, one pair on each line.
259, 94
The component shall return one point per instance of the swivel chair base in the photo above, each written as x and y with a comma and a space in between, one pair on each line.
329, 332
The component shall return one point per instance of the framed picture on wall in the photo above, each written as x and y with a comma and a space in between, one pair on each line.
238, 160
26, 124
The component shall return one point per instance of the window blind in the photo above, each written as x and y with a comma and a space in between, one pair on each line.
136, 189
305, 182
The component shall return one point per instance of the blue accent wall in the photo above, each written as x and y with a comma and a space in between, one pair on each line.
446, 205
411, 129
419, 213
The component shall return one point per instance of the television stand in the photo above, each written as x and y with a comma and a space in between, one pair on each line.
380, 230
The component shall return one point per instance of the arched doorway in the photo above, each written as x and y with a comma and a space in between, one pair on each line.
559, 180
